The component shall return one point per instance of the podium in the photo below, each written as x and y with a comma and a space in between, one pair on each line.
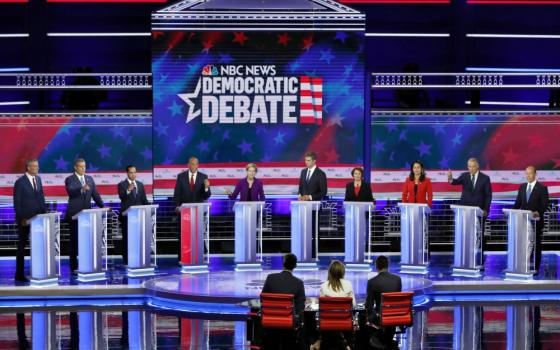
248, 230
141, 239
302, 231
43, 330
467, 327
92, 329
414, 237
520, 323
355, 228
468, 241
92, 244
141, 330
521, 244
195, 226
45, 248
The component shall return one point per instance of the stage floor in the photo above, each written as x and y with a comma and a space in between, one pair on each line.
225, 291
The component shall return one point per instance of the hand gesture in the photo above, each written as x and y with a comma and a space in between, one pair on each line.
449, 176
130, 187
227, 191
206, 183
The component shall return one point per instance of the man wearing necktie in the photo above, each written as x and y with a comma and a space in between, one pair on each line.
312, 186
29, 200
131, 192
477, 192
192, 186
533, 196
81, 190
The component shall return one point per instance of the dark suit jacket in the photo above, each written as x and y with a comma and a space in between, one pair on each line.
538, 201
128, 199
242, 189
480, 196
27, 202
285, 283
364, 195
316, 186
424, 193
384, 282
183, 193
78, 201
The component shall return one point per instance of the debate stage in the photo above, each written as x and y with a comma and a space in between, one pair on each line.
229, 293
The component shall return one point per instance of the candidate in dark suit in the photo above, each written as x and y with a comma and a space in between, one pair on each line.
285, 283
477, 191
249, 188
417, 186
81, 190
131, 192
384, 282
358, 190
192, 186
312, 180
533, 196
29, 200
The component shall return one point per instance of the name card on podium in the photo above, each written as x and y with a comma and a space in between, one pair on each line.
248, 230
355, 228
521, 244
302, 233
195, 226
45, 248
141, 239
468, 241
414, 237
92, 244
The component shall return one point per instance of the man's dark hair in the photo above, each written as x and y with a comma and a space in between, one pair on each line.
129, 166
381, 263
311, 155
290, 261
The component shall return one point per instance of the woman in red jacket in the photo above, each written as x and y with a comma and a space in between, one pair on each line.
417, 186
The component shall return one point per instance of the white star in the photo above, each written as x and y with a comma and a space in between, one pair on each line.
337, 119
187, 98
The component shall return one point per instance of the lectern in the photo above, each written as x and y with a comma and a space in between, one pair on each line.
468, 241
92, 244
141, 239
355, 228
414, 237
302, 231
521, 244
520, 320
467, 327
43, 330
195, 225
45, 248
248, 232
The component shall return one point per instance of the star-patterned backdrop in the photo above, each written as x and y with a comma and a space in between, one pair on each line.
500, 142
337, 57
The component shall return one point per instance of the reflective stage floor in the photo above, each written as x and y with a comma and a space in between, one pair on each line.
209, 310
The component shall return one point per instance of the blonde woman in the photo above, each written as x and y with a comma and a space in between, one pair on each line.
335, 286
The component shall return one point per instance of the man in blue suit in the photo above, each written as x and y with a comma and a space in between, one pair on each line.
477, 191
192, 186
131, 192
29, 200
81, 190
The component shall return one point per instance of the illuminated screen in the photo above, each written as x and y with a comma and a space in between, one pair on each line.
230, 98
504, 145
108, 145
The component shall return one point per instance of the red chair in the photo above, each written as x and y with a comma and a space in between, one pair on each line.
335, 314
277, 311
396, 310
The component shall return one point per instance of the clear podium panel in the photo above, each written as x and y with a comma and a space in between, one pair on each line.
467, 327
519, 327
302, 231
414, 237
468, 241
521, 244
194, 232
92, 244
92, 327
45, 248
357, 228
248, 225
141, 239
43, 330
141, 330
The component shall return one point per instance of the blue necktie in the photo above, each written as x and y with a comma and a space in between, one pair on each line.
528, 193
308, 175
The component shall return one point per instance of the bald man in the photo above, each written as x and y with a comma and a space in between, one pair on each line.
533, 196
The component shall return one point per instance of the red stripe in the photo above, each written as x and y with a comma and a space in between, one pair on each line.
304, 79
310, 93
263, 165
60, 191
513, 2
310, 106
306, 120
316, 81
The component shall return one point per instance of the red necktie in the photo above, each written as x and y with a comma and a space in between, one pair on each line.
191, 184
34, 184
